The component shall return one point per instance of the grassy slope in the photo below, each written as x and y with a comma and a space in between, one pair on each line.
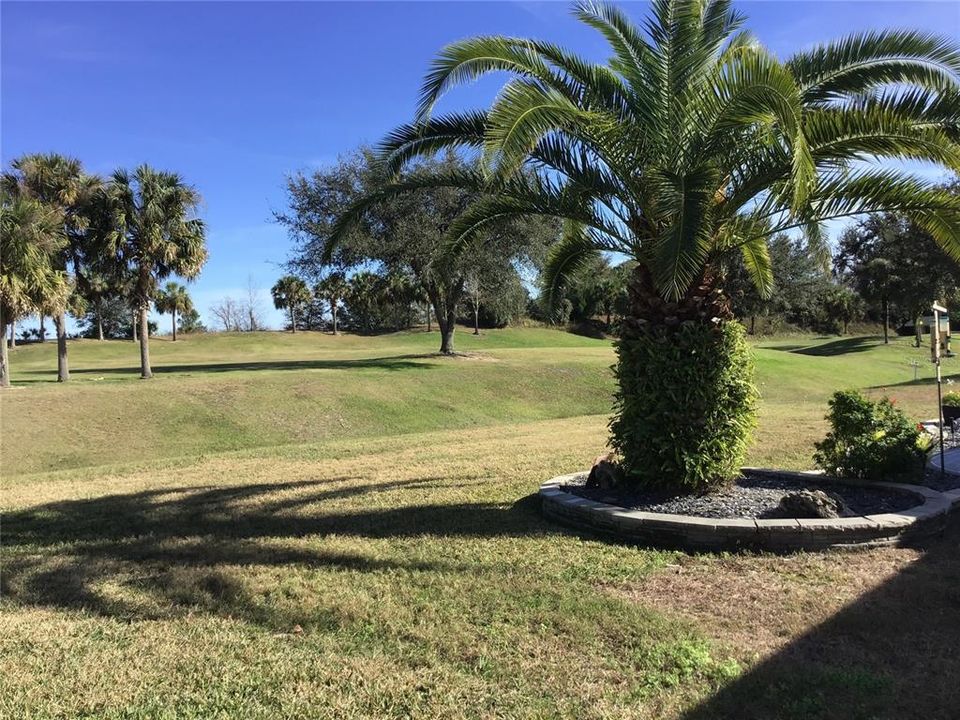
227, 392
369, 552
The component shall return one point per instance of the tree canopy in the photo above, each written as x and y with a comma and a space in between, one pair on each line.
402, 234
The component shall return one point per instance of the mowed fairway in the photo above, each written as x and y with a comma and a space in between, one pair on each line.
310, 526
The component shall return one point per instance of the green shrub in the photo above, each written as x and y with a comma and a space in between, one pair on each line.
871, 440
685, 406
951, 399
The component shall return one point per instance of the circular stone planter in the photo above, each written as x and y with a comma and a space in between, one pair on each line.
702, 533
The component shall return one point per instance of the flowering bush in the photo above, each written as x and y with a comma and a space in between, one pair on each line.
951, 399
871, 440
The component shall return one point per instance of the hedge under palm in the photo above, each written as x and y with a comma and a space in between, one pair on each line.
692, 144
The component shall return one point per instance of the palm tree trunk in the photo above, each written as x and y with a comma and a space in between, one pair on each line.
174, 313
63, 368
145, 372
43, 330
4, 358
333, 312
476, 318
99, 327
13, 333
133, 324
293, 320
685, 399
918, 328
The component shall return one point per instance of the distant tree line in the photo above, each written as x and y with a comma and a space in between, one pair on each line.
885, 270
393, 268
97, 249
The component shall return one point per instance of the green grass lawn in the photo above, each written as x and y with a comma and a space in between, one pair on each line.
310, 526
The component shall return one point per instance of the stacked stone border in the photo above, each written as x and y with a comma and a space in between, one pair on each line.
702, 533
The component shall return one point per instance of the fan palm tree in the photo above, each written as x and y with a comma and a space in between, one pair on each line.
332, 289
31, 236
290, 293
693, 143
59, 182
152, 232
174, 299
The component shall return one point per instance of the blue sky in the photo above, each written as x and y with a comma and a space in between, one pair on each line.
235, 95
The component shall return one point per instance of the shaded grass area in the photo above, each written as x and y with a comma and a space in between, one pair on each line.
413, 576
424, 587
841, 635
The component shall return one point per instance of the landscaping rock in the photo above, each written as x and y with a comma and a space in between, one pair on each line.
604, 474
813, 504
747, 497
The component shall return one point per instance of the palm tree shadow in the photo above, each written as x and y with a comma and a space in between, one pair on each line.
893, 653
843, 346
176, 551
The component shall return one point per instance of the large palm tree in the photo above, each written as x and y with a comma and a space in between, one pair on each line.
174, 299
290, 293
31, 236
691, 145
60, 183
333, 288
152, 231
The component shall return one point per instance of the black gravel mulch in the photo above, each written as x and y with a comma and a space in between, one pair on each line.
748, 497
937, 481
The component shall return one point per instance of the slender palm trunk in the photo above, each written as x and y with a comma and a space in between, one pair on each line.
13, 333
99, 327
919, 331
174, 313
63, 367
293, 319
333, 312
4, 359
476, 318
133, 325
145, 372
43, 330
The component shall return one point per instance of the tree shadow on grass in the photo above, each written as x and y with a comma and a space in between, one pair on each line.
892, 653
833, 348
177, 550
392, 363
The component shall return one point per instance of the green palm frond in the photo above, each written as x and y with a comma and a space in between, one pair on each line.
456, 130
679, 252
520, 117
864, 61
468, 60
348, 220
690, 127
756, 260
573, 252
